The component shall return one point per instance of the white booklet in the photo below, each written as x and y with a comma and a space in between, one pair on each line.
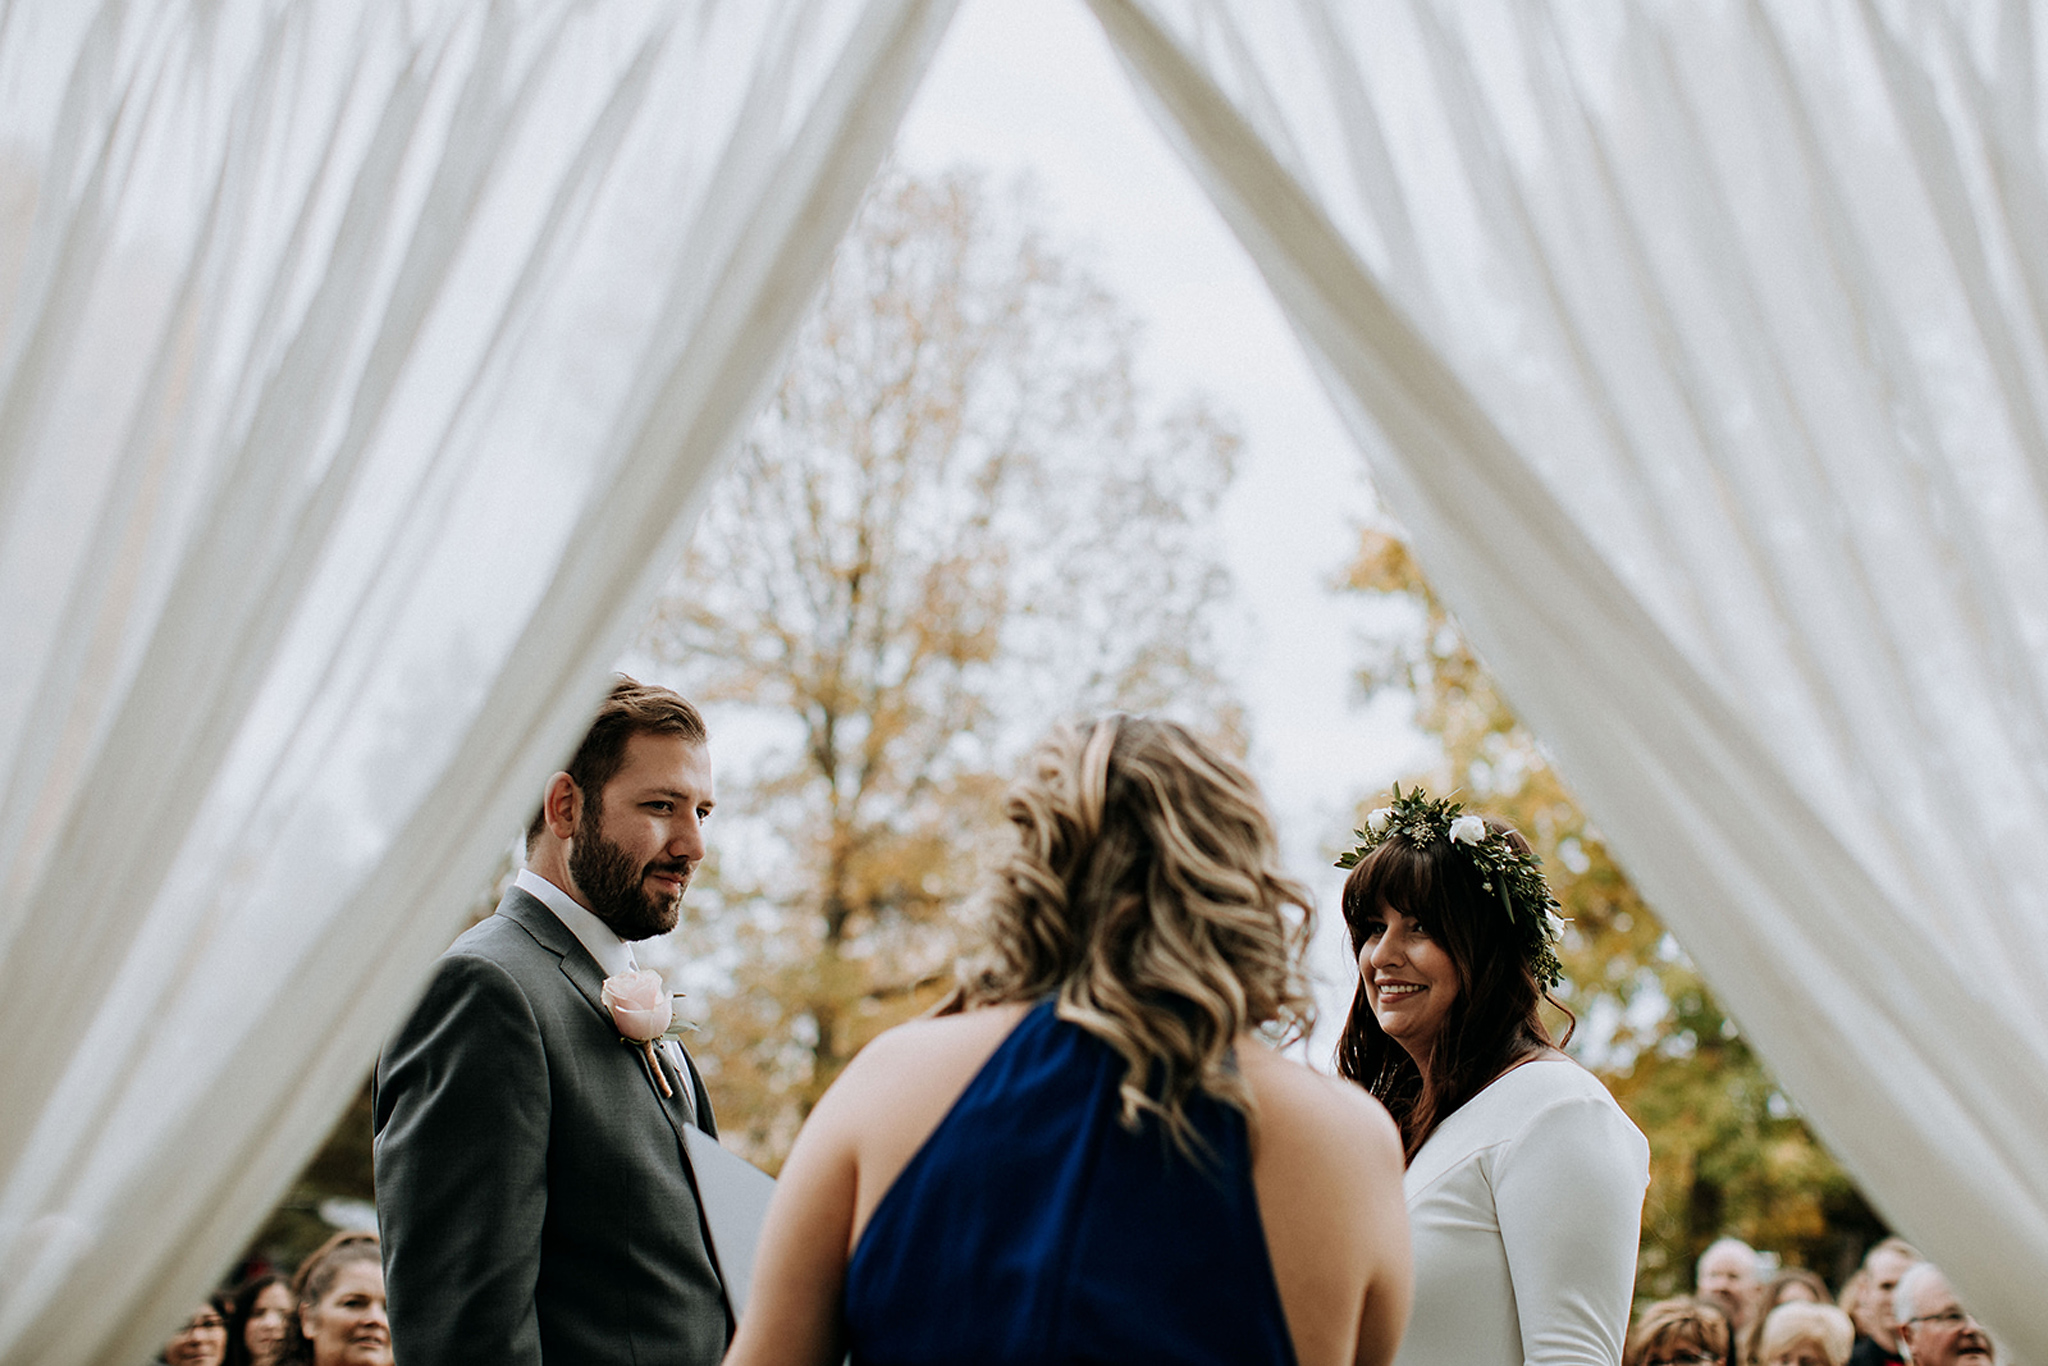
734, 1193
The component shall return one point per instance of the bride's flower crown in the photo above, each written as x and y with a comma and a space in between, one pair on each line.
1516, 877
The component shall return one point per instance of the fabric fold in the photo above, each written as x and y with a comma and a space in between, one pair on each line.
1715, 435
361, 366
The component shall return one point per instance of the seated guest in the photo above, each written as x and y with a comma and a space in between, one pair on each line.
1097, 1155
1871, 1310
1726, 1275
338, 1306
202, 1341
1849, 1299
1792, 1285
1679, 1332
1802, 1334
1734, 1357
1933, 1329
257, 1319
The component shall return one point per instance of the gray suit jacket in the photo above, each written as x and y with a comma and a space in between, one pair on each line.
533, 1195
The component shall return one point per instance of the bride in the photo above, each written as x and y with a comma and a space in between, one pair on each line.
1525, 1180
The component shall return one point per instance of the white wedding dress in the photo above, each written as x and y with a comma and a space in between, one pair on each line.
1526, 1208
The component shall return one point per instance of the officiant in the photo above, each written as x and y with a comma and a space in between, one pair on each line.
533, 1191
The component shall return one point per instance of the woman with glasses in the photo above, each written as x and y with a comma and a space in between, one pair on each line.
1525, 1180
1679, 1332
1933, 1327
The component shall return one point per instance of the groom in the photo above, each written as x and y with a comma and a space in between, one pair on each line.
534, 1197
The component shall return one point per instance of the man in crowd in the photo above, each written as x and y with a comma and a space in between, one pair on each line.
1877, 1342
1933, 1328
533, 1190
1726, 1276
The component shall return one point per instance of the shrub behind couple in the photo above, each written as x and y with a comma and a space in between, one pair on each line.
1095, 1156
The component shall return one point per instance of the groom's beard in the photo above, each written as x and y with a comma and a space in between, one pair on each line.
617, 886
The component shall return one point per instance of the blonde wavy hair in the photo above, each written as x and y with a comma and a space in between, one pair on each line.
1146, 892
1816, 1325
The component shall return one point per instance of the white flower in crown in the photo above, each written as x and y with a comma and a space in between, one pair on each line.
1468, 830
1376, 820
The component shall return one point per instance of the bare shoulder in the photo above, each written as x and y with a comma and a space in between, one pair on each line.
1326, 1164
897, 1090
940, 1054
1309, 1111
937, 1038
1324, 1150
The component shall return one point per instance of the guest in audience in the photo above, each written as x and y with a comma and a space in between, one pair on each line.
202, 1341
1726, 1275
1733, 1356
1679, 1332
1933, 1329
257, 1320
1096, 1156
1804, 1334
338, 1306
1792, 1285
1877, 1342
1849, 1299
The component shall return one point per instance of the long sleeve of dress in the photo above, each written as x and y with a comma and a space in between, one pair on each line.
1568, 1191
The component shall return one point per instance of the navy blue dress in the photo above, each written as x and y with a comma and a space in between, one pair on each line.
1033, 1227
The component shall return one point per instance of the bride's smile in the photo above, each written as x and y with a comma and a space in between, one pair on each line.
1410, 981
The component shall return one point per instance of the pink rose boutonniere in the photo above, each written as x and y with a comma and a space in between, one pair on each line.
642, 1011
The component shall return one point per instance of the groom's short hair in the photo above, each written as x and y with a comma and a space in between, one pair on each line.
632, 708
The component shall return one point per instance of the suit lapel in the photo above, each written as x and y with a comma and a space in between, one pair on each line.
548, 930
587, 977
583, 971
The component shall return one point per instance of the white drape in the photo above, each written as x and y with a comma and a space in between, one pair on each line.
1699, 345
359, 365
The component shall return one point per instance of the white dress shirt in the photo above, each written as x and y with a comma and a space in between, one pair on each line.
613, 954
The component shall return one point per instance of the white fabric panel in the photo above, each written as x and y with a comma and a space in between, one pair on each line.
360, 363
1700, 347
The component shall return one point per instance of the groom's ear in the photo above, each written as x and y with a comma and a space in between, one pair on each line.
560, 805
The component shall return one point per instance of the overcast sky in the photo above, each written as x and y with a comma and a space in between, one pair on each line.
1032, 85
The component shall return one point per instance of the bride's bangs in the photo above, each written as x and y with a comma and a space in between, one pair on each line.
1399, 875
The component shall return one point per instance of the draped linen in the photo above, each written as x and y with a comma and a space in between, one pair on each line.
1700, 347
359, 364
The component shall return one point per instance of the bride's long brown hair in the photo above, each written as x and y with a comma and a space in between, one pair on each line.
1145, 892
1495, 1020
